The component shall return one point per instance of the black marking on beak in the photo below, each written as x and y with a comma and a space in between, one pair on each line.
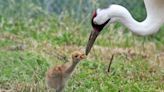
94, 33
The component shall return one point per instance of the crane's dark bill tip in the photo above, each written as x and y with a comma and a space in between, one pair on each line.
92, 38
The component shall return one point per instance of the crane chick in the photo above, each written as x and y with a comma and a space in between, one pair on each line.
57, 76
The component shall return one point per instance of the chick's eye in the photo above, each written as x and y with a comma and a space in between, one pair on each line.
76, 56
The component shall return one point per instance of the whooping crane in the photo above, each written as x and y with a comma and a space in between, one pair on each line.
152, 23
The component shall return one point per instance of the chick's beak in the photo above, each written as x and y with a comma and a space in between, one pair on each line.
83, 56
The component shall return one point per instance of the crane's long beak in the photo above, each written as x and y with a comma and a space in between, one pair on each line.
92, 38
94, 33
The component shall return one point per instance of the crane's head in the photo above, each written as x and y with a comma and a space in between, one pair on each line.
101, 17
77, 56
95, 32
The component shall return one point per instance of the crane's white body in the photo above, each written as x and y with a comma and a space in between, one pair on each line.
152, 23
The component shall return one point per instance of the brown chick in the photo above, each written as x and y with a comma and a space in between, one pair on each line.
57, 76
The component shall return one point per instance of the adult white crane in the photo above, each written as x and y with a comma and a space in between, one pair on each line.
152, 23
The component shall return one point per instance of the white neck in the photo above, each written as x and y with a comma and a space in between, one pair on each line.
149, 26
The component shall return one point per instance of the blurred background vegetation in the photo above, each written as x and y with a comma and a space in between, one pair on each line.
59, 13
36, 34
78, 9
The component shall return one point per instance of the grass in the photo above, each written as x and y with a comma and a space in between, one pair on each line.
29, 46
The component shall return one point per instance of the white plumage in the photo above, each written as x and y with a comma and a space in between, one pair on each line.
152, 23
